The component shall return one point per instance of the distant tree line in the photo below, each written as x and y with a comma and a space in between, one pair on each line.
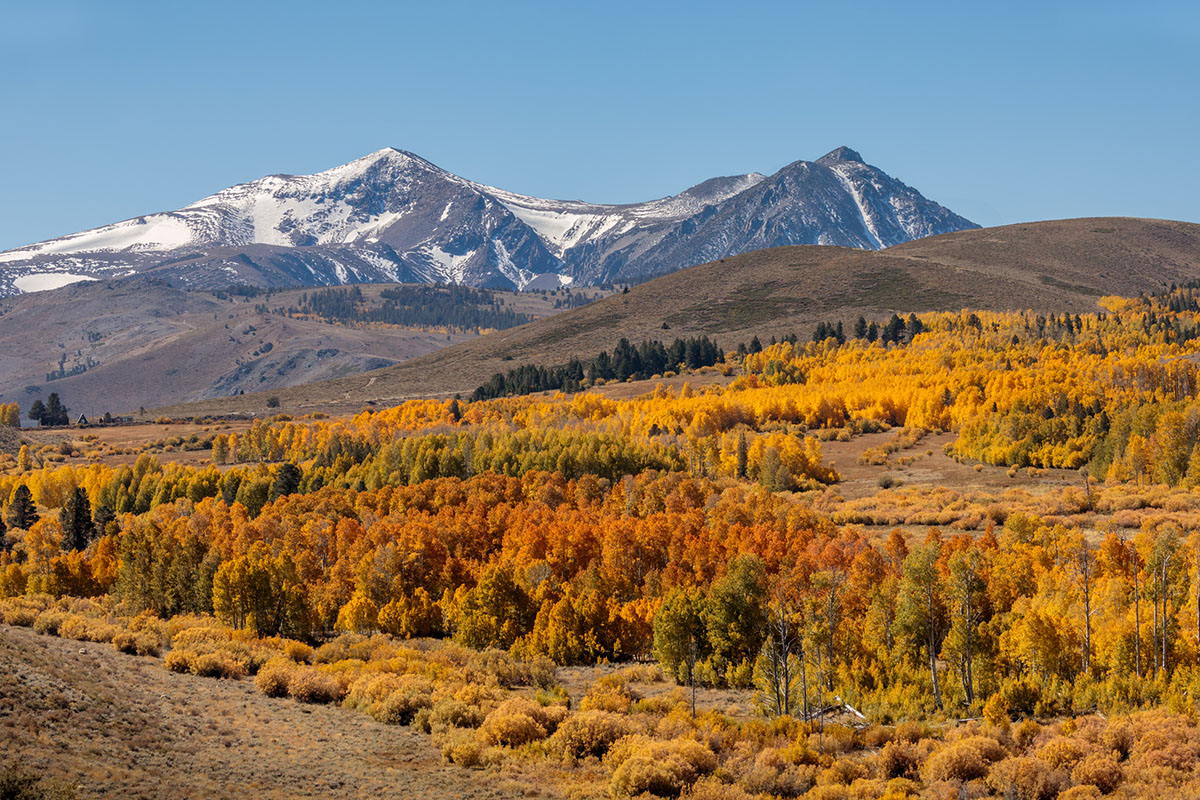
626, 361
458, 307
896, 330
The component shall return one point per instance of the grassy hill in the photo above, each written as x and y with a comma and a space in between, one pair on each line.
120, 345
1063, 265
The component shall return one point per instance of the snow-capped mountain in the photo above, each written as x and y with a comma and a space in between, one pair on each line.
393, 216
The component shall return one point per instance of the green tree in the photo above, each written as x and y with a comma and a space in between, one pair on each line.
287, 481
736, 617
922, 612
56, 413
680, 633
966, 593
21, 511
76, 519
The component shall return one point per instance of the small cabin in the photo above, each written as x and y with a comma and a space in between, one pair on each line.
82, 422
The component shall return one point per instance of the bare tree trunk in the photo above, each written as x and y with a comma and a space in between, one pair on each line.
937, 690
1137, 621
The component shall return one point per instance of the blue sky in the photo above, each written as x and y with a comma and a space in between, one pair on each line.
1004, 112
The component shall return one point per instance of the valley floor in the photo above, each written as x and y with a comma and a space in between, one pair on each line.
115, 725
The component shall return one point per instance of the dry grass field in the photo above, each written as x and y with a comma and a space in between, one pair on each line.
115, 725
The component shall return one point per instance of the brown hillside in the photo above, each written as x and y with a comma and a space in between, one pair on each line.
1047, 266
146, 344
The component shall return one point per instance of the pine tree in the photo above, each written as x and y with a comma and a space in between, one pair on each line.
76, 520
860, 328
37, 411
21, 511
56, 412
287, 481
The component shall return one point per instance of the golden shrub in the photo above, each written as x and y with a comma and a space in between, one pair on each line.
955, 762
1118, 736
1100, 770
989, 749
713, 789
609, 693
463, 748
1026, 778
899, 760
272, 679
217, 665
1083, 792
299, 652
48, 622
450, 712
310, 685
589, 733
180, 660
511, 729
500, 666
543, 672
1025, 733
135, 643
661, 768
1063, 752
909, 731
399, 707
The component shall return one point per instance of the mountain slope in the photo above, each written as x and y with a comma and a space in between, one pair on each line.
1050, 267
120, 345
393, 216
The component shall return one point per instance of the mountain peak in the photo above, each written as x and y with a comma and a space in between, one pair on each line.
840, 154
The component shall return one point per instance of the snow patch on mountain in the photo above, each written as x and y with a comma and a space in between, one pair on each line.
393, 216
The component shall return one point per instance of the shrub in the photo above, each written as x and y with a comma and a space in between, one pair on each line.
48, 622
660, 768
463, 748
217, 665
518, 721
955, 762
390, 699
610, 693
20, 616
272, 679
713, 789
988, 748
180, 660
1025, 778
842, 772
450, 712
910, 731
511, 729
1026, 732
299, 652
589, 733
776, 773
1062, 752
310, 685
402, 704
20, 784
500, 665
1084, 792
1118, 736
899, 760
543, 672
135, 643
1099, 770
